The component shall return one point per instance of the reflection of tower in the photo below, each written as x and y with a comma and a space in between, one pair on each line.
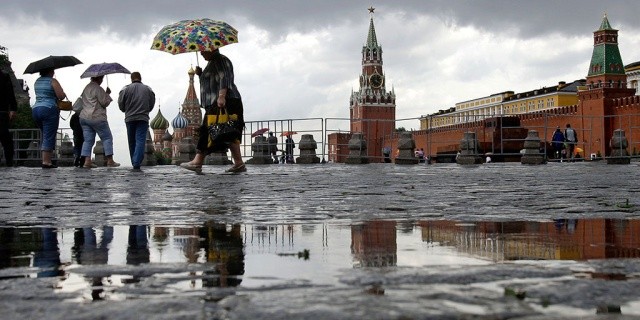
225, 249
189, 241
372, 107
159, 126
191, 109
373, 244
179, 124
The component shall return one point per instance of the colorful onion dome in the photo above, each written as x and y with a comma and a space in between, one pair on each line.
159, 122
180, 122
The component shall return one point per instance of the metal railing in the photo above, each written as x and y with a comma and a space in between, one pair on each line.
443, 141
26, 144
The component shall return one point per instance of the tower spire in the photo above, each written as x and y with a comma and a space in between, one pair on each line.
372, 40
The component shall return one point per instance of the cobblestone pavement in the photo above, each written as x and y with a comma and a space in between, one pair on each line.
332, 194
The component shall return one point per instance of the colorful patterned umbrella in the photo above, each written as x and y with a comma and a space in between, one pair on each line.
194, 36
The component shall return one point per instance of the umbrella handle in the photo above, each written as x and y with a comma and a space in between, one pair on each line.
197, 60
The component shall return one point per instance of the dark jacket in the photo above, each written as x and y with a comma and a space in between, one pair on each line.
7, 96
136, 100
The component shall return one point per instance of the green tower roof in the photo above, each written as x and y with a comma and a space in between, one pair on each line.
606, 58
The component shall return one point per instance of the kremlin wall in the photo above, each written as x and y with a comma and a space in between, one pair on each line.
596, 106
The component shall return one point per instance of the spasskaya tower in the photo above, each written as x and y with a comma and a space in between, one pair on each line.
372, 109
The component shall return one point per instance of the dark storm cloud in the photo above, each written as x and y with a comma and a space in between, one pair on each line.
527, 18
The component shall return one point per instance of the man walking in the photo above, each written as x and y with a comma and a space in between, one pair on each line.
571, 136
136, 100
8, 108
272, 142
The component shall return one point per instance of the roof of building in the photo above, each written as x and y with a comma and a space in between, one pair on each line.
180, 122
605, 25
632, 66
159, 122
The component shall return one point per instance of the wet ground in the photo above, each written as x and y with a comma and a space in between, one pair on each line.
494, 241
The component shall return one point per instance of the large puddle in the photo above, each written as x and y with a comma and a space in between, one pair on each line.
252, 256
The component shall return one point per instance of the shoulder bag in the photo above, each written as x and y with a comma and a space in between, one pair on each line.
65, 105
223, 131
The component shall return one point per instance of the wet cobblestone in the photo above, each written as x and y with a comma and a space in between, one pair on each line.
325, 194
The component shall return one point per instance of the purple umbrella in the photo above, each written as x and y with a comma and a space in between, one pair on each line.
101, 69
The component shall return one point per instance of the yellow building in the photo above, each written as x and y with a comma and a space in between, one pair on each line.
505, 103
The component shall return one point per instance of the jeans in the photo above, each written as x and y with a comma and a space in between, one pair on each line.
47, 120
137, 135
89, 130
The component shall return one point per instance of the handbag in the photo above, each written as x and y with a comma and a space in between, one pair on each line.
65, 105
78, 105
222, 130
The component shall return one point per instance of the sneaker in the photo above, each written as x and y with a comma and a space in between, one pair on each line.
113, 164
191, 166
48, 166
92, 165
236, 169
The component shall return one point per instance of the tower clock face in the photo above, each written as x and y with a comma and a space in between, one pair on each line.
376, 80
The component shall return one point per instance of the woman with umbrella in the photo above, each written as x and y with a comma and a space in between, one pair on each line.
46, 114
93, 119
218, 91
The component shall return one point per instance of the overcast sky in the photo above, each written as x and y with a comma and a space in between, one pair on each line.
301, 59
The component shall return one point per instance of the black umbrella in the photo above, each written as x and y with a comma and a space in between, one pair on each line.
52, 62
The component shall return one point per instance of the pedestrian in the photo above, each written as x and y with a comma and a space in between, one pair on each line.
78, 139
93, 119
289, 146
557, 142
272, 142
571, 137
8, 108
136, 100
386, 153
45, 113
420, 155
218, 92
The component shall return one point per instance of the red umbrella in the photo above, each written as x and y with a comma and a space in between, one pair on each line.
288, 133
259, 132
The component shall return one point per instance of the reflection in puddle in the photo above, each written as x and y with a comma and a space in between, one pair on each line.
266, 255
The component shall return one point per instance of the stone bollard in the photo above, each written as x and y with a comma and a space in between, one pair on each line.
619, 145
307, 147
532, 154
33, 155
469, 150
260, 149
187, 151
357, 150
98, 151
66, 154
149, 156
406, 148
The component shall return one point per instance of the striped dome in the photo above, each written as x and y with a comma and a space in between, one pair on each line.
180, 122
159, 122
